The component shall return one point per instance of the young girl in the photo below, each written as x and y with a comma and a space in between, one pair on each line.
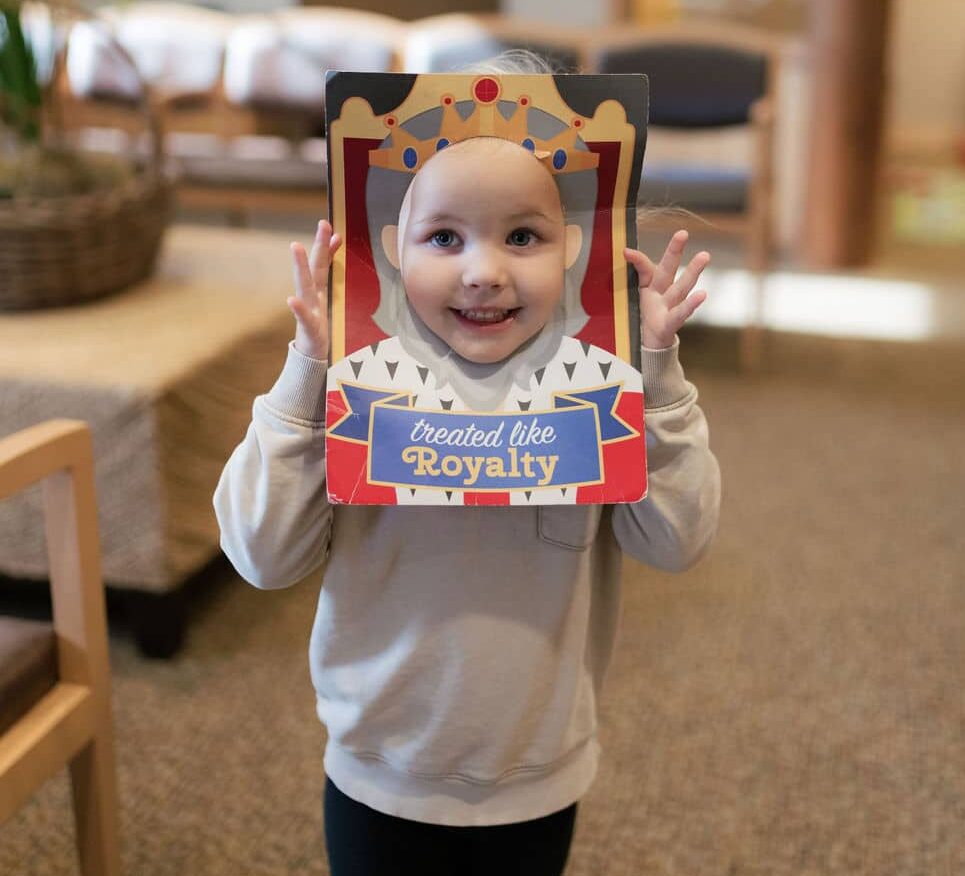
458, 654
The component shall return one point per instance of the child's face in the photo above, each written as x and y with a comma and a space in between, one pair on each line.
484, 247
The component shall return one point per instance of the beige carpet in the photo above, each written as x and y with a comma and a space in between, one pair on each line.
794, 705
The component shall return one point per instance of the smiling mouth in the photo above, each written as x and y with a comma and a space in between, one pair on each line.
486, 315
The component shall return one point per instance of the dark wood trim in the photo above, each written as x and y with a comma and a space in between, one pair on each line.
848, 56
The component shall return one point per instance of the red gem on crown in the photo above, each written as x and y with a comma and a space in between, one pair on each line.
486, 90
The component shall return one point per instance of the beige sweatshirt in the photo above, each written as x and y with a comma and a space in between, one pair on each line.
458, 653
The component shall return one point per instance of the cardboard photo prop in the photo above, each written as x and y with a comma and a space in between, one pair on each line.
559, 420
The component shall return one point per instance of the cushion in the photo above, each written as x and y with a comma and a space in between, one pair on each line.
257, 161
280, 60
693, 85
693, 187
41, 32
28, 666
177, 48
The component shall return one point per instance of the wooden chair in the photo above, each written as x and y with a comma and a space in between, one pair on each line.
706, 81
56, 702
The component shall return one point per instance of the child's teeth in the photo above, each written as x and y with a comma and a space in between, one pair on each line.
485, 315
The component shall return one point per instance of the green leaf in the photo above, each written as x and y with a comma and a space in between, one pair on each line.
20, 92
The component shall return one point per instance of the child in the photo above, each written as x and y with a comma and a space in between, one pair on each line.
457, 655
483, 386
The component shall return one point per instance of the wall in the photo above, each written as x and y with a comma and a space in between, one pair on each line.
563, 12
781, 15
926, 106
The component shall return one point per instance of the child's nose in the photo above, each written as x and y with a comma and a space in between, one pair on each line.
484, 269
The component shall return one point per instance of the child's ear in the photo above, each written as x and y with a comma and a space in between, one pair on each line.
390, 244
574, 243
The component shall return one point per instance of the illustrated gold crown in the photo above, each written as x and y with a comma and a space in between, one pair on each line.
558, 154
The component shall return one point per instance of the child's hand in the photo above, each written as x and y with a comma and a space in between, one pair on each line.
666, 303
309, 304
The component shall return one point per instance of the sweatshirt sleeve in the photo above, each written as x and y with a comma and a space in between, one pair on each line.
674, 525
271, 501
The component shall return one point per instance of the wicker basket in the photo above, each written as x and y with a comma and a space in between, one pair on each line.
66, 250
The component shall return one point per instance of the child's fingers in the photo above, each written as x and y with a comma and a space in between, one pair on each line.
318, 258
321, 277
302, 312
304, 284
685, 309
641, 264
323, 249
688, 278
666, 270
294, 305
308, 304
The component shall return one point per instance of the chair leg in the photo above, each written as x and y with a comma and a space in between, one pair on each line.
158, 621
95, 807
751, 335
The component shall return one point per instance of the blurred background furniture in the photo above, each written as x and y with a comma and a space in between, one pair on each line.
413, 9
251, 151
273, 89
443, 43
55, 686
243, 98
164, 373
245, 126
708, 84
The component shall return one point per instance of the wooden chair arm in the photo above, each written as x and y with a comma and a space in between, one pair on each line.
29, 456
59, 455
173, 101
71, 724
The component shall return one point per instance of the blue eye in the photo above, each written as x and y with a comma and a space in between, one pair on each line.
444, 238
521, 237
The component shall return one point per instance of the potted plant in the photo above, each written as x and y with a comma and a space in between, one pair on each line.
74, 225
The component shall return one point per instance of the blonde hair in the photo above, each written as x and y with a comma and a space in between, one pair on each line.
521, 61
664, 213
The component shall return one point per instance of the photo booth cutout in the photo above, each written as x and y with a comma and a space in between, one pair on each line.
561, 420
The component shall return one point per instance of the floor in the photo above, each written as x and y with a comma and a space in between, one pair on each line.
789, 707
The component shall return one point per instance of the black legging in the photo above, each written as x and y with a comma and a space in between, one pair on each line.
363, 842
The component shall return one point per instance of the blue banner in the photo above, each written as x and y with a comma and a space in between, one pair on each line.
480, 451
